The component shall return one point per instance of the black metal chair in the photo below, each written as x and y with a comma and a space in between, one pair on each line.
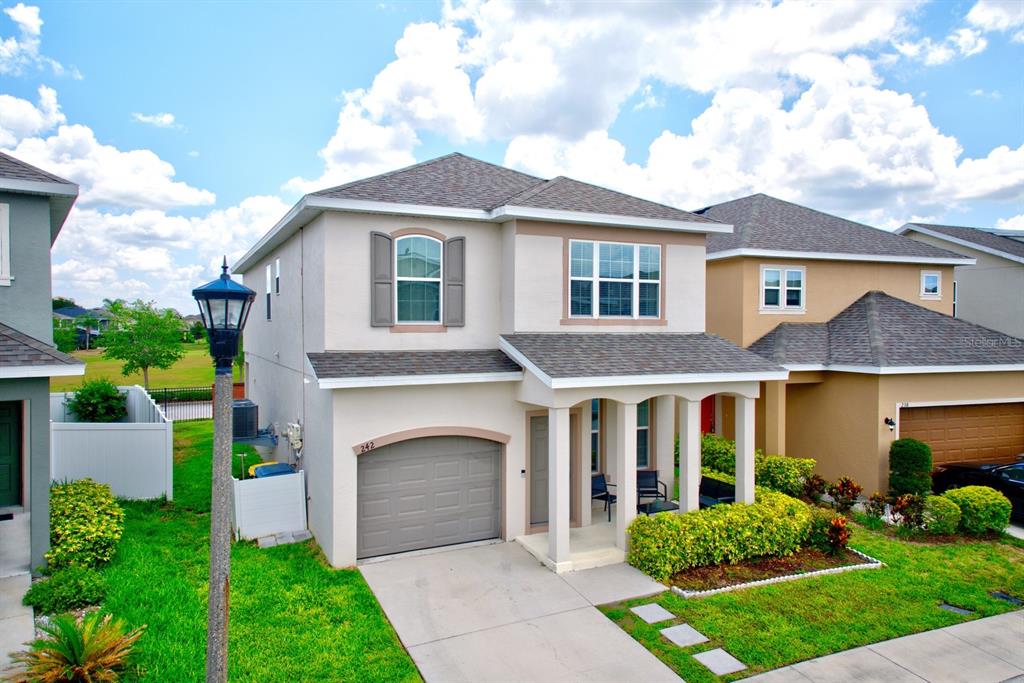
599, 491
648, 486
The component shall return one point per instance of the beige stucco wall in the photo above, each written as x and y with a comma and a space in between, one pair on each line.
361, 415
989, 293
830, 286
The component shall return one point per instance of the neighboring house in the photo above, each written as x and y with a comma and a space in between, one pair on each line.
33, 207
862, 320
73, 315
466, 344
990, 292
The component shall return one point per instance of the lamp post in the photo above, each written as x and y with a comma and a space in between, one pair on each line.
224, 305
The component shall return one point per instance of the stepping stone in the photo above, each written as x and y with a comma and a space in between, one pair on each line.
955, 610
685, 635
1000, 595
652, 613
720, 662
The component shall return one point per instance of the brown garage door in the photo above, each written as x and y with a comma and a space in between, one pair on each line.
977, 432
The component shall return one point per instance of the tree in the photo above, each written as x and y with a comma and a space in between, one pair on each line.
62, 302
143, 337
197, 331
64, 337
89, 322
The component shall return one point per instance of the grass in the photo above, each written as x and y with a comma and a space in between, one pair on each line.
772, 626
292, 616
194, 369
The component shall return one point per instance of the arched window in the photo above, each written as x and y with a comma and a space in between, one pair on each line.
418, 279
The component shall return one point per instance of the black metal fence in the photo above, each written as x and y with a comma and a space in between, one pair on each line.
185, 403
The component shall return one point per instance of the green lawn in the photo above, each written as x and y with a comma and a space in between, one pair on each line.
292, 616
772, 626
194, 369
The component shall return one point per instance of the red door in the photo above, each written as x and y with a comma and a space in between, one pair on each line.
707, 415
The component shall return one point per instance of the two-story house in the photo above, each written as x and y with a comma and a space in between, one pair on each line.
464, 345
862, 319
989, 292
33, 207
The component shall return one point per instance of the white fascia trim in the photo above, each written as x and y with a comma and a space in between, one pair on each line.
55, 370
509, 212
689, 378
963, 243
908, 369
416, 380
287, 225
39, 187
366, 206
832, 256
970, 402
516, 355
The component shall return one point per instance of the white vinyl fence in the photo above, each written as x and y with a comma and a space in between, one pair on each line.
271, 505
134, 456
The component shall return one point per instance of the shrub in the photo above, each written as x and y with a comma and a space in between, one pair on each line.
98, 400
821, 522
875, 506
814, 487
85, 524
941, 515
844, 493
981, 509
94, 649
838, 535
909, 510
65, 590
910, 467
662, 545
775, 472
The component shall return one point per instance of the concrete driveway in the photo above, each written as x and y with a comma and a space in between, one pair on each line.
493, 613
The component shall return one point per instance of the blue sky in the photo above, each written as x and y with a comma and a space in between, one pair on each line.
192, 127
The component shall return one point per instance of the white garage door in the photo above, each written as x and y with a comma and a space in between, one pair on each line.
428, 492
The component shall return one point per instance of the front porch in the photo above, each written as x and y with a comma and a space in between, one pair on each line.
589, 546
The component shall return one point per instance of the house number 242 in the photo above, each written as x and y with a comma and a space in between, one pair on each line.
368, 446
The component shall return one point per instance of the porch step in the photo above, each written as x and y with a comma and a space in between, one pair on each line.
537, 545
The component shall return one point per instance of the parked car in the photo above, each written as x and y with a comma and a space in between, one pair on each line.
1005, 477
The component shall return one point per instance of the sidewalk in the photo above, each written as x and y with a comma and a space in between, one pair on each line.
16, 625
990, 649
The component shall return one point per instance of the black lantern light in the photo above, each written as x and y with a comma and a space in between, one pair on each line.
224, 305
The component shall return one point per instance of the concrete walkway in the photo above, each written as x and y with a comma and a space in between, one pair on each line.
16, 627
494, 613
980, 651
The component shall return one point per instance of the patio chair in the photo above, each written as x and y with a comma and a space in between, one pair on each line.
648, 486
599, 491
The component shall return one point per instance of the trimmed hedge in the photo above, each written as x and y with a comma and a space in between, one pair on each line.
775, 472
941, 515
67, 589
982, 509
662, 545
910, 467
98, 400
85, 524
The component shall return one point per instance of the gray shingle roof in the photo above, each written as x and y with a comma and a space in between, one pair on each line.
17, 169
606, 355
335, 364
979, 237
20, 350
456, 180
879, 330
763, 222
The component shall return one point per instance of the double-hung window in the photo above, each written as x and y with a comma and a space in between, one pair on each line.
613, 280
643, 434
782, 288
418, 279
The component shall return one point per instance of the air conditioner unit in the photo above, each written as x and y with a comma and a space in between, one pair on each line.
246, 419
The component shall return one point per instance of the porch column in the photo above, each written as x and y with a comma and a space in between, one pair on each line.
744, 449
718, 415
689, 455
558, 486
665, 441
625, 464
584, 483
775, 418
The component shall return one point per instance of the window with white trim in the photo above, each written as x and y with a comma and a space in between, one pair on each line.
270, 283
5, 245
595, 435
782, 288
418, 279
931, 284
614, 280
643, 435
954, 298
277, 276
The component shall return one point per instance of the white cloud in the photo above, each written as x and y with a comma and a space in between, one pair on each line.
1012, 223
19, 53
20, 118
161, 120
997, 15
648, 100
194, 153
991, 94
964, 42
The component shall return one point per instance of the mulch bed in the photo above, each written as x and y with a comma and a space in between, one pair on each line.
723, 575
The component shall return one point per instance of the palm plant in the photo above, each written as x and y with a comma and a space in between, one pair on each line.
94, 649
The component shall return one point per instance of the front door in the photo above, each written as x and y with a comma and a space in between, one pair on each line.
539, 470
10, 453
